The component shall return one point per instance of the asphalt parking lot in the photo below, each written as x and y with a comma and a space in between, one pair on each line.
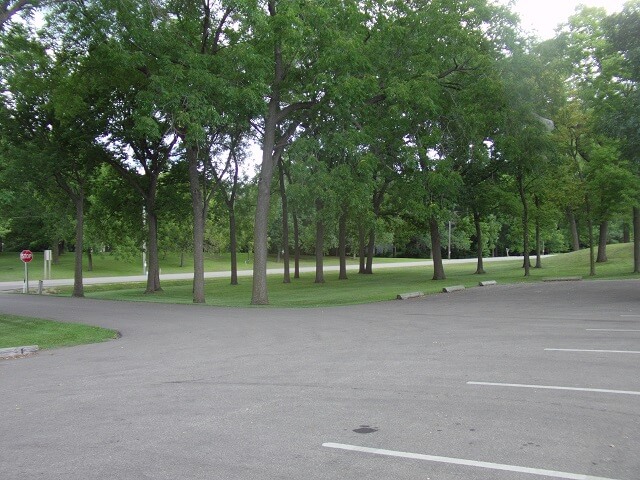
505, 382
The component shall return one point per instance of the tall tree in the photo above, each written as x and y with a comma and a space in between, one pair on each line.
593, 71
48, 120
301, 44
622, 116
522, 141
211, 97
455, 73
229, 183
124, 76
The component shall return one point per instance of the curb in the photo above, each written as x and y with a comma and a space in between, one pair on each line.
454, 288
406, 296
562, 279
15, 352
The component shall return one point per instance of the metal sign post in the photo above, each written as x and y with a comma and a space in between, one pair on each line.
47, 264
26, 256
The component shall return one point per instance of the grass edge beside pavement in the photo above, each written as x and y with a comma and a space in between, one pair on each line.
18, 331
384, 285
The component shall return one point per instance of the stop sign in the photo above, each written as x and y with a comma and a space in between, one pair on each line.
26, 256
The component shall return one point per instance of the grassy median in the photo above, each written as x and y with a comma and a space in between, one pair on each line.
21, 331
108, 265
384, 284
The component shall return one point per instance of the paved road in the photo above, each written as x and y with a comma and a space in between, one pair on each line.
33, 283
199, 392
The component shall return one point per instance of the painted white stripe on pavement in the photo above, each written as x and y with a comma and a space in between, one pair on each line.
609, 330
462, 461
588, 351
630, 315
553, 387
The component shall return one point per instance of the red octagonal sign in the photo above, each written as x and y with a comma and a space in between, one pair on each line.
26, 256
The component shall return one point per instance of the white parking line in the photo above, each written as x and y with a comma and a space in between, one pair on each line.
630, 315
553, 387
588, 351
609, 330
462, 461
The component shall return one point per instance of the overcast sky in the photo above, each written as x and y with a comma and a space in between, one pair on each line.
543, 16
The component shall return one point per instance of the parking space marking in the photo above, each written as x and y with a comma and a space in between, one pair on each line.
609, 330
588, 351
634, 315
462, 461
555, 387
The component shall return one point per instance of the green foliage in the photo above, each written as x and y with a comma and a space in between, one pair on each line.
610, 182
622, 113
115, 219
392, 113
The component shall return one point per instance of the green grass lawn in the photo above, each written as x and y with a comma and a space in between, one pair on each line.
107, 265
104, 265
20, 331
385, 284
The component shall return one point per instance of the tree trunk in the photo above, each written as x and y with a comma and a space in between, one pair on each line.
55, 252
361, 250
525, 226
626, 233
592, 257
476, 220
261, 225
199, 215
285, 224
153, 275
378, 196
296, 246
272, 119
371, 247
233, 245
538, 234
296, 235
436, 250
602, 242
342, 244
181, 258
78, 287
89, 259
319, 243
573, 230
636, 239
230, 200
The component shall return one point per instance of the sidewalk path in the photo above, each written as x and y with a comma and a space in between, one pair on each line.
12, 286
